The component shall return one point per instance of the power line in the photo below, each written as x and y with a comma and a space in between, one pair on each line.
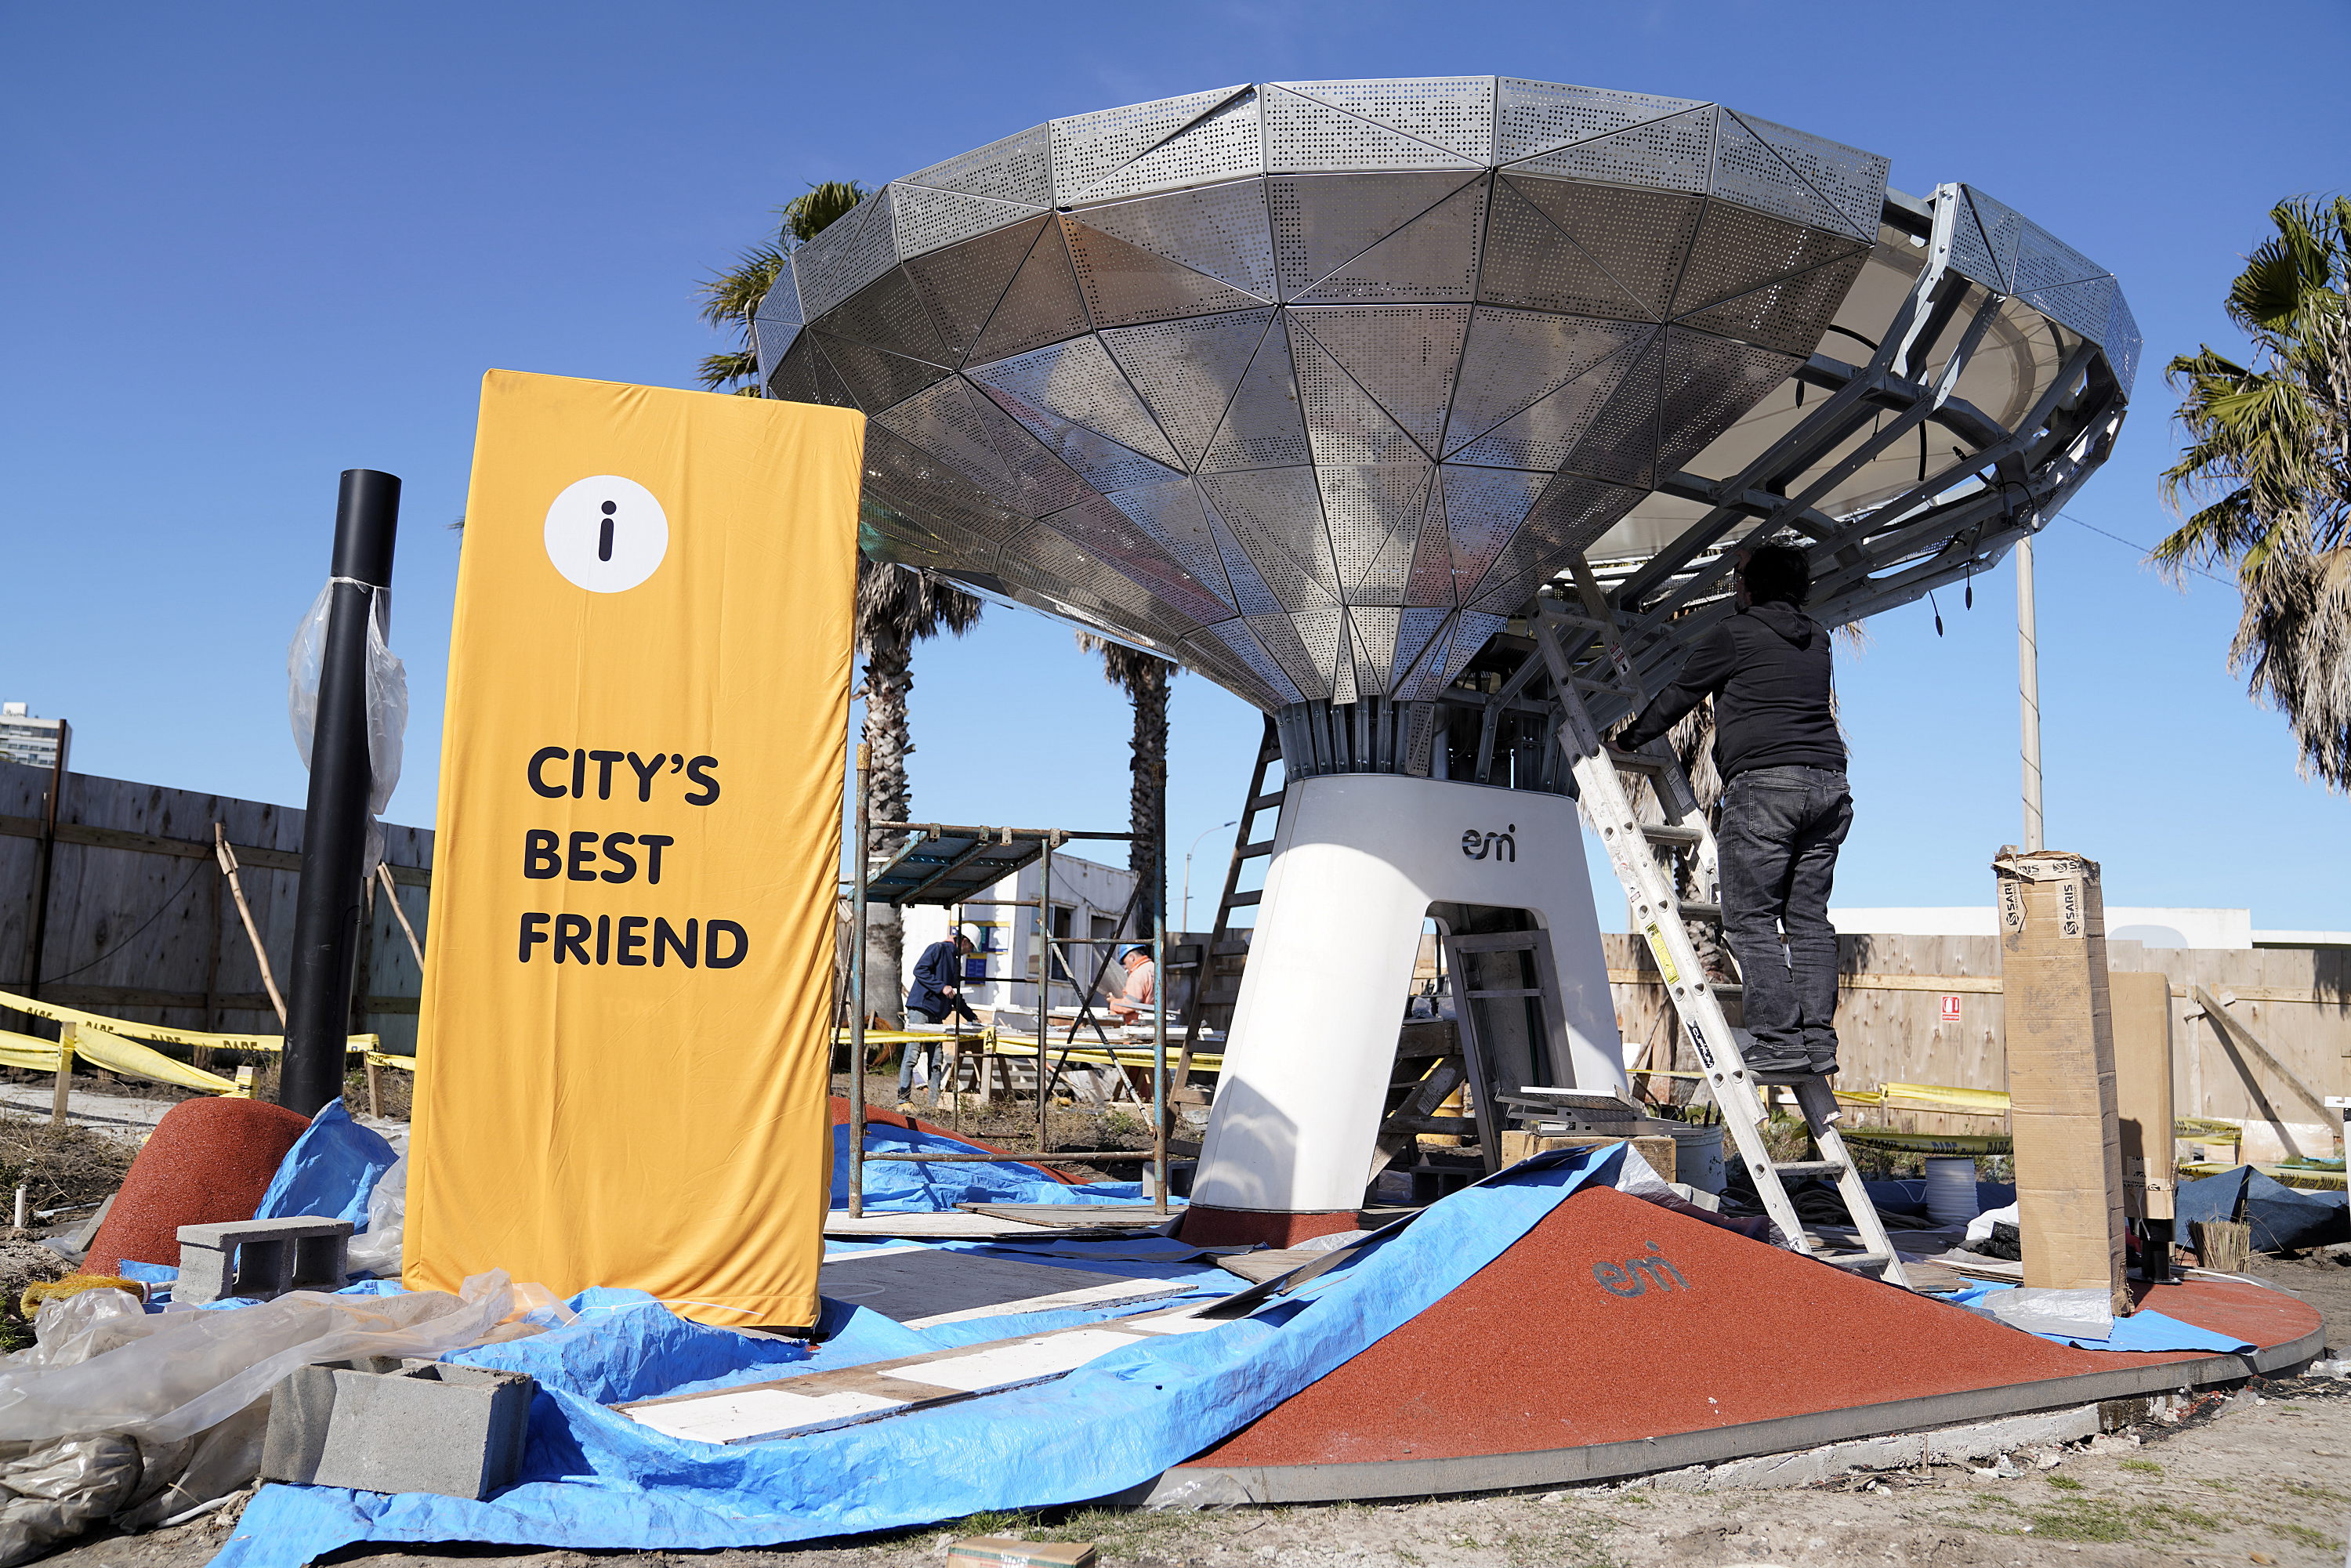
2141, 549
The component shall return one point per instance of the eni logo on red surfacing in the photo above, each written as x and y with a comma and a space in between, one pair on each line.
1636, 1276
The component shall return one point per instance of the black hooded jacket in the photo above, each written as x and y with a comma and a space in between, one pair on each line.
1768, 669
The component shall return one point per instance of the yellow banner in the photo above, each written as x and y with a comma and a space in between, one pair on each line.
622, 1054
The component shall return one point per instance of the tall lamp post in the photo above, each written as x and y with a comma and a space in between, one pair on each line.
1187, 869
2028, 691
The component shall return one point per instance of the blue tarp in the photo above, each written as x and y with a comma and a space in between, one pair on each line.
330, 1172
595, 1480
911, 1186
2140, 1331
2281, 1215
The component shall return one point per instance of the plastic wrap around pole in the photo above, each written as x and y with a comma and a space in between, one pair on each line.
335, 823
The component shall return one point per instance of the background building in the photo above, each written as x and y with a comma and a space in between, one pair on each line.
24, 739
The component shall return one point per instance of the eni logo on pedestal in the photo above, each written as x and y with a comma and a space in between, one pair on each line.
607, 534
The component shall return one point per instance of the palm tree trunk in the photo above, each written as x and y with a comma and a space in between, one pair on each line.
1147, 793
888, 679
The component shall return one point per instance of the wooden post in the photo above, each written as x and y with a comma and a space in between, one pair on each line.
374, 1085
227, 858
67, 1034
391, 894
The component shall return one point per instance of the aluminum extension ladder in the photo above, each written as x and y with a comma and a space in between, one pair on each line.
1658, 913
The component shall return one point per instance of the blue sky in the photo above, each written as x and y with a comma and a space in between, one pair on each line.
251, 244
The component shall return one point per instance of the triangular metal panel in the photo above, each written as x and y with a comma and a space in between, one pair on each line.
1103, 464
1210, 656
1265, 427
1077, 382
1276, 515
924, 219
1303, 135
1674, 153
2003, 230
1543, 435
1516, 358
1374, 627
1114, 538
937, 501
1456, 113
1739, 250
1321, 221
829, 386
1344, 689
1226, 143
1537, 117
941, 421
1088, 148
794, 377
961, 285
1748, 171
1641, 239
1322, 633
2086, 307
1572, 513
1971, 255
1343, 421
854, 250
1237, 636
776, 322
2122, 342
887, 313
1852, 180
1041, 306
1251, 593
1281, 636
1405, 356
1221, 231
1788, 314
1172, 513
1044, 483
1620, 444
1709, 383
1374, 512
1415, 674
1124, 284
1469, 634
1434, 257
1483, 508
2044, 261
1511, 580
1527, 261
1430, 580
1186, 370
1015, 167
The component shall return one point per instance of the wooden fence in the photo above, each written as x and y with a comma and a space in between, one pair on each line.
1892, 1028
141, 924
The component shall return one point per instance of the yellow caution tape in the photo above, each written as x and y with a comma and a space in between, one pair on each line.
12, 1002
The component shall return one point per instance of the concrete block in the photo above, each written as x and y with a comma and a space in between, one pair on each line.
1947, 1445
428, 1427
261, 1258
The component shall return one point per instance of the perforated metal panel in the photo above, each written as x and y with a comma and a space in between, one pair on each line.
1172, 514
1483, 508
830, 387
1527, 261
941, 420
876, 379
1405, 356
1372, 512
1515, 358
1342, 421
1374, 627
1621, 443
2003, 228
1430, 581
1504, 587
1640, 238
1533, 117
1283, 638
888, 314
2044, 261
1221, 231
1748, 171
1709, 383
1674, 153
1305, 135
1124, 284
2122, 341
1319, 632
858, 247
1041, 305
2086, 307
1019, 168
961, 285
1090, 148
1251, 595
1418, 670
1077, 382
1320, 222
1103, 464
1456, 113
1042, 482
1434, 257
776, 323
1226, 143
1265, 427
1739, 250
1276, 514
1237, 636
794, 377
1188, 370
1573, 512
1970, 253
1114, 538
1547, 431
1344, 691
1788, 314
1470, 633
924, 219
1852, 180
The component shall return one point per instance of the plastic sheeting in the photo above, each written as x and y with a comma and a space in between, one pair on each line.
2282, 1216
387, 689
594, 1478
913, 1186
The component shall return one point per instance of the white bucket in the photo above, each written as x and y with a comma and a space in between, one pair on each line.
1698, 1155
1952, 1191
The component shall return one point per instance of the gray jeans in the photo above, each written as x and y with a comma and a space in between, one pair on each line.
1781, 829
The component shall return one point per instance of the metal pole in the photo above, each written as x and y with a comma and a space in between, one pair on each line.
49, 860
1159, 1031
1187, 869
2028, 691
1045, 982
857, 991
335, 824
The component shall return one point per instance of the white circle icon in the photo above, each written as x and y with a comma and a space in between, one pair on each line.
606, 533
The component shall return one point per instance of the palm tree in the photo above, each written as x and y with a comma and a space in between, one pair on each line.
2270, 454
897, 606
1143, 678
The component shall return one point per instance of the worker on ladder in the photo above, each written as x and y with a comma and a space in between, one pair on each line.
1785, 805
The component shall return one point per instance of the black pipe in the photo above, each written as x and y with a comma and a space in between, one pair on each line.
335, 826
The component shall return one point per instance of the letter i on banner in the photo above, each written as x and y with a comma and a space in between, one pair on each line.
624, 1049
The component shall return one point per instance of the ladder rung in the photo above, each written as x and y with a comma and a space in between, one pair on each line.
1667, 834
1726, 988
1810, 1167
1855, 1259
1633, 762
1700, 911
1261, 803
1238, 899
1251, 852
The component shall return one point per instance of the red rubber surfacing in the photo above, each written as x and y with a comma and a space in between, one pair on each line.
1205, 1224
1533, 1352
207, 1163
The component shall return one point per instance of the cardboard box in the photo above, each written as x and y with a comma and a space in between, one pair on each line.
1657, 1150
2063, 1113
2142, 1009
1006, 1552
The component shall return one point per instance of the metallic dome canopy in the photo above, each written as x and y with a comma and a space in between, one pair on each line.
1309, 385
